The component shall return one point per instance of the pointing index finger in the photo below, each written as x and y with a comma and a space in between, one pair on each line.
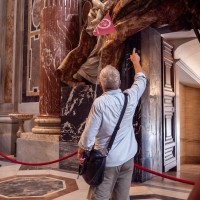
133, 50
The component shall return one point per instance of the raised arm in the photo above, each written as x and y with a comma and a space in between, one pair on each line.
135, 59
139, 83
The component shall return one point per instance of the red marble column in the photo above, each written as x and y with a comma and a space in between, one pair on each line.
59, 35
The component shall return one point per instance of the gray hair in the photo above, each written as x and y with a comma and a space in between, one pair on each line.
109, 78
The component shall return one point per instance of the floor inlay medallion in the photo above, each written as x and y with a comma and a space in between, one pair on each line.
41, 186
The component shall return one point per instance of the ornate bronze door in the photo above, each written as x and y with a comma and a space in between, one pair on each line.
169, 136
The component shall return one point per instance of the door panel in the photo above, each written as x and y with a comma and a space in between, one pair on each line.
169, 137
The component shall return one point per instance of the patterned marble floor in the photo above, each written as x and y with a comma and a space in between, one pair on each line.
17, 184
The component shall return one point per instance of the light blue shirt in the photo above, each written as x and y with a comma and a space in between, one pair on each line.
103, 118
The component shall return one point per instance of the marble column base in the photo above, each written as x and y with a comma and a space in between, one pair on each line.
8, 130
42, 137
36, 151
47, 125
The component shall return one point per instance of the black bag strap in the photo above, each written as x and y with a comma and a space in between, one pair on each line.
117, 127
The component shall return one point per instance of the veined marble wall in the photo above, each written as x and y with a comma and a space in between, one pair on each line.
12, 55
151, 114
75, 103
7, 68
2, 45
75, 106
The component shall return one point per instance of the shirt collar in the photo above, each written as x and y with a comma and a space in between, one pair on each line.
113, 92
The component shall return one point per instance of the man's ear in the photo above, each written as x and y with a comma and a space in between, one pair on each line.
120, 82
100, 85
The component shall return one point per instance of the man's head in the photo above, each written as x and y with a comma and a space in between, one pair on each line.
109, 78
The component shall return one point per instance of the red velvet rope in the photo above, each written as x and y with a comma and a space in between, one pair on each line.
164, 175
36, 164
70, 155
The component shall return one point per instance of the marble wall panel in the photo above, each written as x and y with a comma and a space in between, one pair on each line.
2, 45
33, 76
8, 51
151, 120
75, 106
33, 48
31, 51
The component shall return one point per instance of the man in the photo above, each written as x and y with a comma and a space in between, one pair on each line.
100, 124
